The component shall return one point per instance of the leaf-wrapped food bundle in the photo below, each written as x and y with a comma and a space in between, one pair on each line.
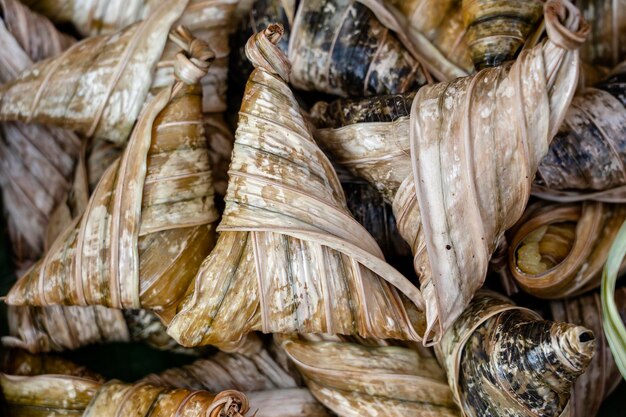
559, 250
505, 360
458, 169
497, 29
289, 254
357, 380
37, 163
148, 224
602, 375
587, 157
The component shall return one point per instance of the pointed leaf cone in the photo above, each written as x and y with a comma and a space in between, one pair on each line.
142, 400
559, 250
458, 169
339, 47
586, 158
20, 362
607, 39
47, 395
497, 29
602, 375
502, 357
99, 85
148, 224
357, 380
289, 254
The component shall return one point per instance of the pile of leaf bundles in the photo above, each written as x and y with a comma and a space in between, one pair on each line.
458, 166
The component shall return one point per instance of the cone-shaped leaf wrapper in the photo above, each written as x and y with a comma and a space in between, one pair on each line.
356, 380
99, 85
459, 169
602, 375
148, 224
501, 358
290, 257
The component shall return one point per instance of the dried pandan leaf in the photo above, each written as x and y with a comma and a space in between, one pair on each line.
502, 359
458, 169
289, 254
357, 380
47, 395
602, 375
142, 400
20, 362
497, 29
559, 250
586, 158
36, 162
148, 224
607, 39
432, 30
99, 85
